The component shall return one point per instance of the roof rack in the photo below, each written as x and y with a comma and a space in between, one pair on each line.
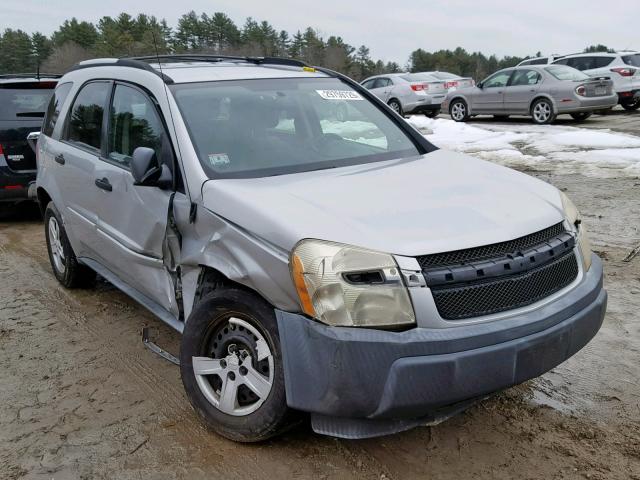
189, 57
121, 62
30, 75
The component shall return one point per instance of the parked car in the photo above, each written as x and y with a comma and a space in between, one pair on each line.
408, 93
451, 80
23, 101
542, 93
539, 60
282, 245
622, 67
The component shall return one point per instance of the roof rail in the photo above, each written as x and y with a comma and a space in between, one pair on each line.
30, 75
120, 62
195, 57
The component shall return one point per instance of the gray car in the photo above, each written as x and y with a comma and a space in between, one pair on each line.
348, 269
541, 92
408, 93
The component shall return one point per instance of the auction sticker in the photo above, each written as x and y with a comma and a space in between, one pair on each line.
339, 94
219, 159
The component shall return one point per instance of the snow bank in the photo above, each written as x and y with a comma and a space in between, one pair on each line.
541, 147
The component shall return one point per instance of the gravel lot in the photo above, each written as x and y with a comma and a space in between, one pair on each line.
81, 398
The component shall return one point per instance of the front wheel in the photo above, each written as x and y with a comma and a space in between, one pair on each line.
395, 106
458, 111
231, 366
581, 116
542, 112
631, 106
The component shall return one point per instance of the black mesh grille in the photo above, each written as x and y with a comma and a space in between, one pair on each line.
490, 251
455, 303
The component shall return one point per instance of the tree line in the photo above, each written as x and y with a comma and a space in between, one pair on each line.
126, 35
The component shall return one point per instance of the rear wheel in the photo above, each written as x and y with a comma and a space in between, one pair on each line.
631, 106
458, 110
395, 106
542, 112
63, 260
581, 116
231, 366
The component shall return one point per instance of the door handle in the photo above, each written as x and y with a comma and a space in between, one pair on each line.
59, 159
104, 184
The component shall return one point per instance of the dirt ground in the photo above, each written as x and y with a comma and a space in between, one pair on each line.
81, 398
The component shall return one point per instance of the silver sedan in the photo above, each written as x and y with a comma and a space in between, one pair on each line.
541, 92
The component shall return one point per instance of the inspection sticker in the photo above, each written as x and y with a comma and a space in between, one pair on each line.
339, 94
219, 159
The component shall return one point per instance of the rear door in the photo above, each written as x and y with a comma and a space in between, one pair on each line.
132, 220
73, 160
490, 98
22, 108
521, 89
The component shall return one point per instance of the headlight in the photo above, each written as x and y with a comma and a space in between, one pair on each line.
573, 217
349, 286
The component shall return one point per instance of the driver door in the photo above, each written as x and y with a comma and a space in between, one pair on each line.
490, 98
132, 220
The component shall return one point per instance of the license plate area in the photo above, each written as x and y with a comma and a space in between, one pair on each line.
601, 91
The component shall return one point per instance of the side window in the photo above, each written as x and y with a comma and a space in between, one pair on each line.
526, 62
368, 84
600, 62
85, 119
53, 110
562, 61
582, 63
539, 61
499, 79
381, 83
133, 123
524, 77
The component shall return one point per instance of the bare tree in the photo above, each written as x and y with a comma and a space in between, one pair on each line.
65, 56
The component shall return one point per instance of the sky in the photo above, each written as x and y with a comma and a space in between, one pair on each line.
391, 29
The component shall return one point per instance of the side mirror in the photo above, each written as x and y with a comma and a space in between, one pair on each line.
147, 172
479, 85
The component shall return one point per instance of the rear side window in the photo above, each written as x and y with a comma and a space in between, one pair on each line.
538, 61
24, 101
85, 119
53, 110
633, 60
524, 77
588, 63
133, 123
382, 82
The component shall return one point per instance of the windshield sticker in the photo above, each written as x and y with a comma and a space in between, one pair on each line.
217, 160
339, 95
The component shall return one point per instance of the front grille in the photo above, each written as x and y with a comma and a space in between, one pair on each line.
506, 293
459, 257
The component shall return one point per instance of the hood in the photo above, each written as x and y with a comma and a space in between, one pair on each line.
439, 202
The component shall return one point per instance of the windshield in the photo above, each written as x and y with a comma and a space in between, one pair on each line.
254, 128
24, 101
562, 72
633, 60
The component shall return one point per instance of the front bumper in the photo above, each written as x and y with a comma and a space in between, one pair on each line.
365, 382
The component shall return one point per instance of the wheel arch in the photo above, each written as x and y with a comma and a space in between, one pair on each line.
545, 96
43, 198
460, 97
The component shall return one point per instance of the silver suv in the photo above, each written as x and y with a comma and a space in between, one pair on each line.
346, 268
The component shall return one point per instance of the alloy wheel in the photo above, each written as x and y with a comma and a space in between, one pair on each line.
237, 375
55, 243
542, 112
458, 111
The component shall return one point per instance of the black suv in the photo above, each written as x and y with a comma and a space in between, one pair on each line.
23, 102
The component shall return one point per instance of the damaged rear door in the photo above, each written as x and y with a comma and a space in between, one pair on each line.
134, 230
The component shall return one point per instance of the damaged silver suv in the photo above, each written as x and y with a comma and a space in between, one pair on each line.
317, 253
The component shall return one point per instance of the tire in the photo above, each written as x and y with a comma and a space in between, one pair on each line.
580, 116
631, 106
432, 113
219, 329
459, 111
64, 263
395, 106
501, 117
542, 112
